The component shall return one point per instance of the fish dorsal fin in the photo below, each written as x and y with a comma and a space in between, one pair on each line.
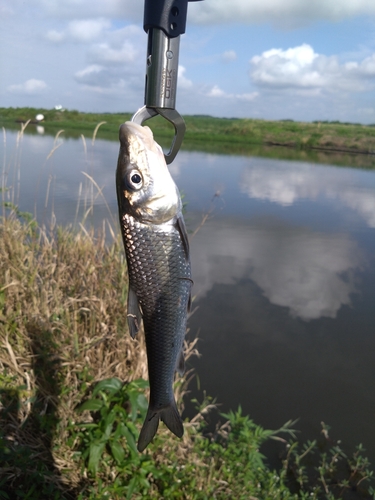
134, 313
180, 225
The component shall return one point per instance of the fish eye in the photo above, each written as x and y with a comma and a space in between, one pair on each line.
134, 180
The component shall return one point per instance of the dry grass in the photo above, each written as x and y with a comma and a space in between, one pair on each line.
62, 329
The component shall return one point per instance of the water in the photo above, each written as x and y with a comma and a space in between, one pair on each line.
284, 273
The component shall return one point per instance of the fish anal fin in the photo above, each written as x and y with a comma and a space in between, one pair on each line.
134, 313
189, 303
180, 367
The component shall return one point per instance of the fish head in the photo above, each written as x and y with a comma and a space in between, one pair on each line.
145, 188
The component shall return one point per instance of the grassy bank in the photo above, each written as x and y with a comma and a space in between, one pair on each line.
332, 136
73, 394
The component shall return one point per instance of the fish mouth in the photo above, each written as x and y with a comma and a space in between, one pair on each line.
139, 140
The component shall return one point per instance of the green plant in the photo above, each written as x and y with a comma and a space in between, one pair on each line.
231, 464
321, 469
106, 444
114, 407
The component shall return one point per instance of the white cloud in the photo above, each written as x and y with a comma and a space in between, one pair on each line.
366, 67
301, 67
73, 9
87, 72
284, 13
73, 35
247, 96
229, 56
183, 82
116, 63
86, 30
31, 86
216, 91
105, 54
280, 12
80, 30
110, 81
55, 36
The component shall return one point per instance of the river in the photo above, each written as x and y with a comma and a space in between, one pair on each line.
283, 268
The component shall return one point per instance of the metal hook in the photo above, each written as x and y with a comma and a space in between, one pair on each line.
145, 113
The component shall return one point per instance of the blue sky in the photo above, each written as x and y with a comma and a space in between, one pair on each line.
275, 59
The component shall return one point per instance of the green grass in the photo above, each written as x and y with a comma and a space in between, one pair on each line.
73, 394
237, 133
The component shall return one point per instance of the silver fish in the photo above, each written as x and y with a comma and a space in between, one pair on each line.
157, 254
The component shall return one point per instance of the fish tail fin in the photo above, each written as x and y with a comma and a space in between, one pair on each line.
169, 415
172, 419
149, 428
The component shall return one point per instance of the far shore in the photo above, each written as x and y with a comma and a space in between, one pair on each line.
321, 136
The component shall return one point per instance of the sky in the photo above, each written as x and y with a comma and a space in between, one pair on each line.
304, 60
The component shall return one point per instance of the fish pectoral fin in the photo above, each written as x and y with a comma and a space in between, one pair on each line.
180, 367
180, 225
134, 313
169, 415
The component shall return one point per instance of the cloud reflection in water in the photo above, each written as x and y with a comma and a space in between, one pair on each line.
307, 270
285, 183
311, 273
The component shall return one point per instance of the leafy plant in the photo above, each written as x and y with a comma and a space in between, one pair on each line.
323, 470
106, 443
114, 407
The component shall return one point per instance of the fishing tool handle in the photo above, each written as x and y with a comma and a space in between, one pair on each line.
164, 21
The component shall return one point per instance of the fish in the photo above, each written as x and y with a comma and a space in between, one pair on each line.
158, 259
